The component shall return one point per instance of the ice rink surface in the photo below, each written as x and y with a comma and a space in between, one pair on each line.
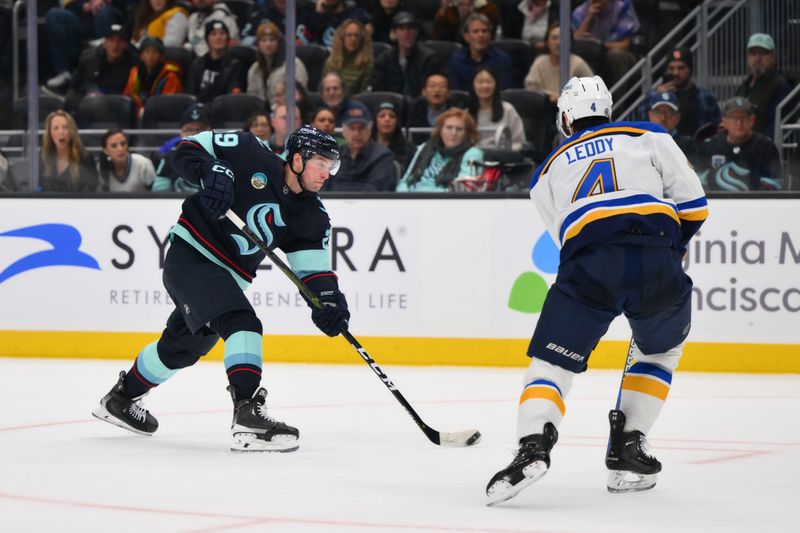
730, 445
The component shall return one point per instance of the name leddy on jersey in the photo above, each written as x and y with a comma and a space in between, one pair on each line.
589, 149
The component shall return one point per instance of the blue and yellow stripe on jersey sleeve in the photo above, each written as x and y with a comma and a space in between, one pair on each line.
692, 214
633, 129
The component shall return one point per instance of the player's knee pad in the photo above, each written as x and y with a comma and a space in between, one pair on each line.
187, 349
667, 360
543, 370
229, 323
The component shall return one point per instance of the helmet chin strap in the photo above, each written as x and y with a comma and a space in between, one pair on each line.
299, 175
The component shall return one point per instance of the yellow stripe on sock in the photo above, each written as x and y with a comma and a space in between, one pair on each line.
543, 393
646, 386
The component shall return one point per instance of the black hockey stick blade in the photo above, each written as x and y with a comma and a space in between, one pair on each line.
458, 439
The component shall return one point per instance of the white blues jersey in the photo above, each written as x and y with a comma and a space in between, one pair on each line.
615, 179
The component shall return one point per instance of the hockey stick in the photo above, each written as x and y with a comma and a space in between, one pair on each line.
457, 440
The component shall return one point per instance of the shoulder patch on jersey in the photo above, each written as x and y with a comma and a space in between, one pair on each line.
258, 180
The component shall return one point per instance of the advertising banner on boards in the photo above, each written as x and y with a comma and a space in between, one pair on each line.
410, 268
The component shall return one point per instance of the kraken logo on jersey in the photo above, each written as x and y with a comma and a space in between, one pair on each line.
259, 219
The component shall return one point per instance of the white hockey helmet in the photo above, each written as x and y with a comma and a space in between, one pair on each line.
581, 98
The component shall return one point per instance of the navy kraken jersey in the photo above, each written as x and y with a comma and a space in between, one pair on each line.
296, 224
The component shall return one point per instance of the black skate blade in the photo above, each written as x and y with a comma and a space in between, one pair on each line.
501, 490
101, 414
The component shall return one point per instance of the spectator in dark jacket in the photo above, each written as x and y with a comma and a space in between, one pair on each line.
382, 13
764, 87
366, 165
217, 72
403, 70
479, 51
105, 70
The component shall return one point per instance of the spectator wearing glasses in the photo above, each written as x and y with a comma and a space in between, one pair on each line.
663, 109
351, 56
739, 158
764, 87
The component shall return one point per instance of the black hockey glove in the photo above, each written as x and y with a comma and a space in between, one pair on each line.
332, 318
216, 182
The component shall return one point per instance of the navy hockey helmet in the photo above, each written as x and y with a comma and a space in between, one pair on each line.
309, 141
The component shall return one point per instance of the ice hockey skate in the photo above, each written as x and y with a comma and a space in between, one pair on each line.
254, 431
116, 408
530, 465
631, 466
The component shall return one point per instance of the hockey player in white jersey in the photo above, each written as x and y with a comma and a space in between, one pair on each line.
622, 202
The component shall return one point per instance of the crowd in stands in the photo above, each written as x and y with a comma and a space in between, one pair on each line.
415, 105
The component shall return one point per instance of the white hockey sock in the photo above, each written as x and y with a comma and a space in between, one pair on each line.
542, 399
646, 386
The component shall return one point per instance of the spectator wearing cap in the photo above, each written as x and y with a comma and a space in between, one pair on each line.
205, 11
195, 119
217, 72
698, 106
367, 166
764, 87
67, 27
352, 56
152, 75
267, 75
612, 23
739, 158
450, 154
389, 132
477, 32
382, 12
165, 19
663, 109
105, 70
449, 20
403, 69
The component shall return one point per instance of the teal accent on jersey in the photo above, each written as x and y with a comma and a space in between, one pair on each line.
243, 348
149, 365
245, 246
307, 262
183, 233
206, 140
162, 184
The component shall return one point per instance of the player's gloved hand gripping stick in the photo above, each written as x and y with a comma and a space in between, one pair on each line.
457, 439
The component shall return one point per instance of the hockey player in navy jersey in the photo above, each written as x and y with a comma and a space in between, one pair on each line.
210, 262
622, 202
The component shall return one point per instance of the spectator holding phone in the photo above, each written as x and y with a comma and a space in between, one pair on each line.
698, 106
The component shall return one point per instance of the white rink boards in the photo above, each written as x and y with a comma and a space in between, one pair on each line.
730, 444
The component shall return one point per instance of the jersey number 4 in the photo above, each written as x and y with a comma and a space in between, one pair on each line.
599, 178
